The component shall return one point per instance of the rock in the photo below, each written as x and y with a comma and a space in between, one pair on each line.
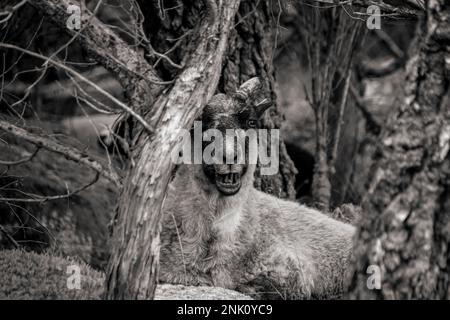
180, 292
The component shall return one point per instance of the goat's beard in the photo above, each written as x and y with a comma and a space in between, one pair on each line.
227, 183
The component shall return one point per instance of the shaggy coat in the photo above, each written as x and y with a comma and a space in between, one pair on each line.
251, 242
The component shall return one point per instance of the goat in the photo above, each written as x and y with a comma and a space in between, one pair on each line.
224, 232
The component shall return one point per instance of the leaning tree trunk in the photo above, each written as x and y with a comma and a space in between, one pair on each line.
250, 53
133, 267
405, 230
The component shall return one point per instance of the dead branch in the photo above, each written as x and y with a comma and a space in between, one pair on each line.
85, 80
17, 162
379, 69
390, 43
61, 90
78, 33
9, 237
107, 48
341, 109
10, 11
67, 151
372, 125
40, 199
408, 9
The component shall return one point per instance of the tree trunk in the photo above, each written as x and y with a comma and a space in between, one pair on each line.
249, 54
133, 266
331, 38
405, 229
251, 50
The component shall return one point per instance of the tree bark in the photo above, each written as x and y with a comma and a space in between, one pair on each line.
250, 53
133, 266
404, 230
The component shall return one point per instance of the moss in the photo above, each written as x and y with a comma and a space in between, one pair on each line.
27, 275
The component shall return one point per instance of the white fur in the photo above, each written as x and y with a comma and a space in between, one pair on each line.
251, 241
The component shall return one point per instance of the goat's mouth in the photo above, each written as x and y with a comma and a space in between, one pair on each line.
228, 183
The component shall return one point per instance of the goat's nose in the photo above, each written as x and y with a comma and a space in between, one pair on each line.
230, 152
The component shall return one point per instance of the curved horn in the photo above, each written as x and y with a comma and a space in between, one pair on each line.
262, 106
248, 88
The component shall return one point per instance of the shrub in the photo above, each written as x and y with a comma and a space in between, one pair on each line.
28, 275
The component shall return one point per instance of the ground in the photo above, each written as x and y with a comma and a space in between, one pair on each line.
28, 275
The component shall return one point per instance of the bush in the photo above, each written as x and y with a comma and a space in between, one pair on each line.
27, 275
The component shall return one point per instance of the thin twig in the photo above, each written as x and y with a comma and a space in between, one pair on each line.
17, 162
390, 43
372, 125
9, 237
41, 199
11, 12
54, 54
85, 80
340, 121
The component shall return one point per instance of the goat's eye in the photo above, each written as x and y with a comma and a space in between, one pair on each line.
251, 123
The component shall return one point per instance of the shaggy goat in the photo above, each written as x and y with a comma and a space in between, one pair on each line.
219, 230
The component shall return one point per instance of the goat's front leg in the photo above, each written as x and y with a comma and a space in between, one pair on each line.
187, 278
222, 278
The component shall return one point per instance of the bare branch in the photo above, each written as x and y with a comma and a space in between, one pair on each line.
63, 89
390, 43
9, 237
106, 46
9, 13
85, 80
38, 198
17, 162
372, 125
67, 151
337, 133
392, 8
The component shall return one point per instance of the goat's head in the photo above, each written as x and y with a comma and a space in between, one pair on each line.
232, 113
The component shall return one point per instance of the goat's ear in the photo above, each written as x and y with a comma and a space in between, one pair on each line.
248, 89
262, 106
